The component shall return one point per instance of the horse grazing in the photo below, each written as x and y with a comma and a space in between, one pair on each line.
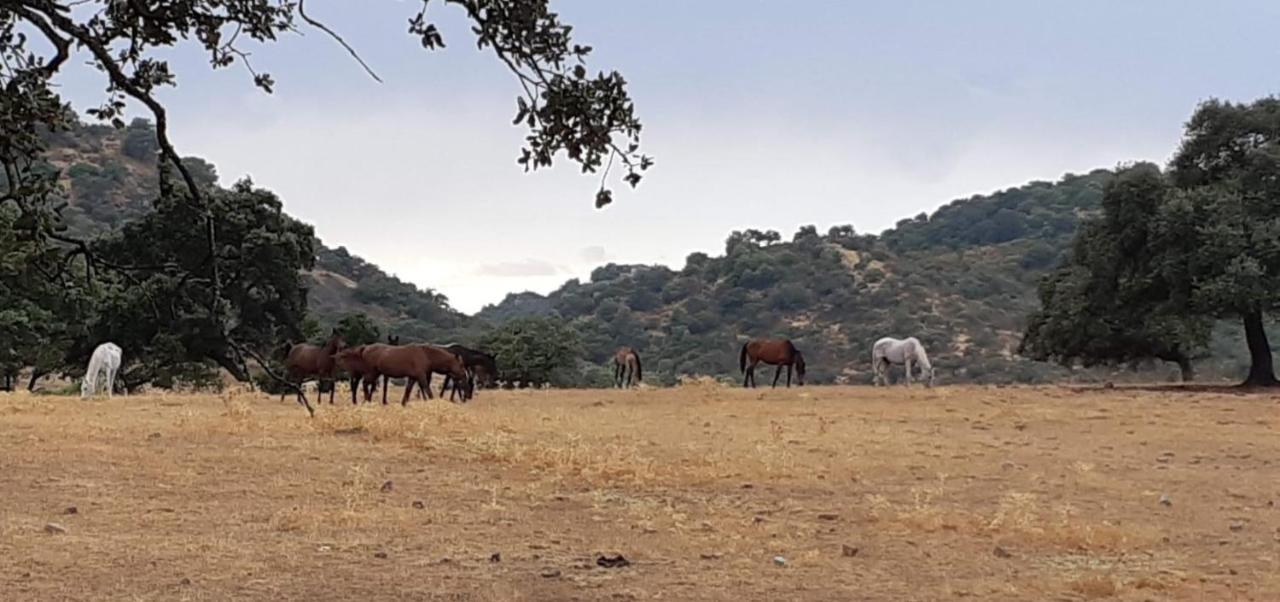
778, 352
105, 361
305, 360
907, 352
453, 367
481, 366
626, 364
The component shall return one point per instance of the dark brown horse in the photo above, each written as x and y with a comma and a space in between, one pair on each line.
626, 365
481, 368
306, 361
778, 352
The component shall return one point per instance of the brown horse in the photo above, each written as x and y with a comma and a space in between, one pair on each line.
305, 361
351, 360
451, 365
387, 361
626, 363
779, 352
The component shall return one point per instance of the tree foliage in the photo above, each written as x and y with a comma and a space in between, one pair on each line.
1114, 301
534, 351
566, 110
1172, 253
359, 329
151, 303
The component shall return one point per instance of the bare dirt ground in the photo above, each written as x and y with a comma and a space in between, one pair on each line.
864, 494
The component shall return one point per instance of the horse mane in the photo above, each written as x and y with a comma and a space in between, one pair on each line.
921, 356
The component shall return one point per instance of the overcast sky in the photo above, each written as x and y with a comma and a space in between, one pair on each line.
759, 114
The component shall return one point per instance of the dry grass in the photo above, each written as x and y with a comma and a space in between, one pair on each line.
993, 494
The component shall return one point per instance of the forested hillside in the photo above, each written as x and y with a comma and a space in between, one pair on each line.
962, 280
110, 176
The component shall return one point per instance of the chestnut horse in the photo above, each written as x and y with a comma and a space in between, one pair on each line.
626, 363
413, 362
387, 361
305, 361
778, 352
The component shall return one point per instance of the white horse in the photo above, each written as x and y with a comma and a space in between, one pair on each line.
907, 352
105, 361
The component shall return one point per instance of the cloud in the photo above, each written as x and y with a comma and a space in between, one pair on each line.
593, 254
521, 269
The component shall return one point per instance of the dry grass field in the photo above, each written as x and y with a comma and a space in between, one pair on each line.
864, 494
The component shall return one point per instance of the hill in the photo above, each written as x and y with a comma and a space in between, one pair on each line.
962, 280
110, 176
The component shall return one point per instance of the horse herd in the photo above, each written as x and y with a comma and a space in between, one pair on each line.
365, 365
463, 368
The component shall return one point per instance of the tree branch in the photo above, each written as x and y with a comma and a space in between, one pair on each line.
302, 12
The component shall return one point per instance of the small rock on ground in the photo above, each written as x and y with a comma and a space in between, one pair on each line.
550, 573
54, 529
387, 487
1001, 552
612, 562
848, 551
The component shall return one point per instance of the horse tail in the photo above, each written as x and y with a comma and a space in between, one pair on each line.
639, 370
742, 358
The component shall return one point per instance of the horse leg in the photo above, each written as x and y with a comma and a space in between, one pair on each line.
386, 384
408, 388
776, 373
111, 381
788, 376
746, 376
906, 365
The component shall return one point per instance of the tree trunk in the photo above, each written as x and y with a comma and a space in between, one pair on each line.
1188, 373
35, 376
1261, 370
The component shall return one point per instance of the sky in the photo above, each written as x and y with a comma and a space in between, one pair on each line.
768, 115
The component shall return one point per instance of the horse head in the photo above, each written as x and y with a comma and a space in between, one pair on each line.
336, 343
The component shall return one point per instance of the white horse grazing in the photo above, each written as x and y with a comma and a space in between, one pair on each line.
907, 352
105, 361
